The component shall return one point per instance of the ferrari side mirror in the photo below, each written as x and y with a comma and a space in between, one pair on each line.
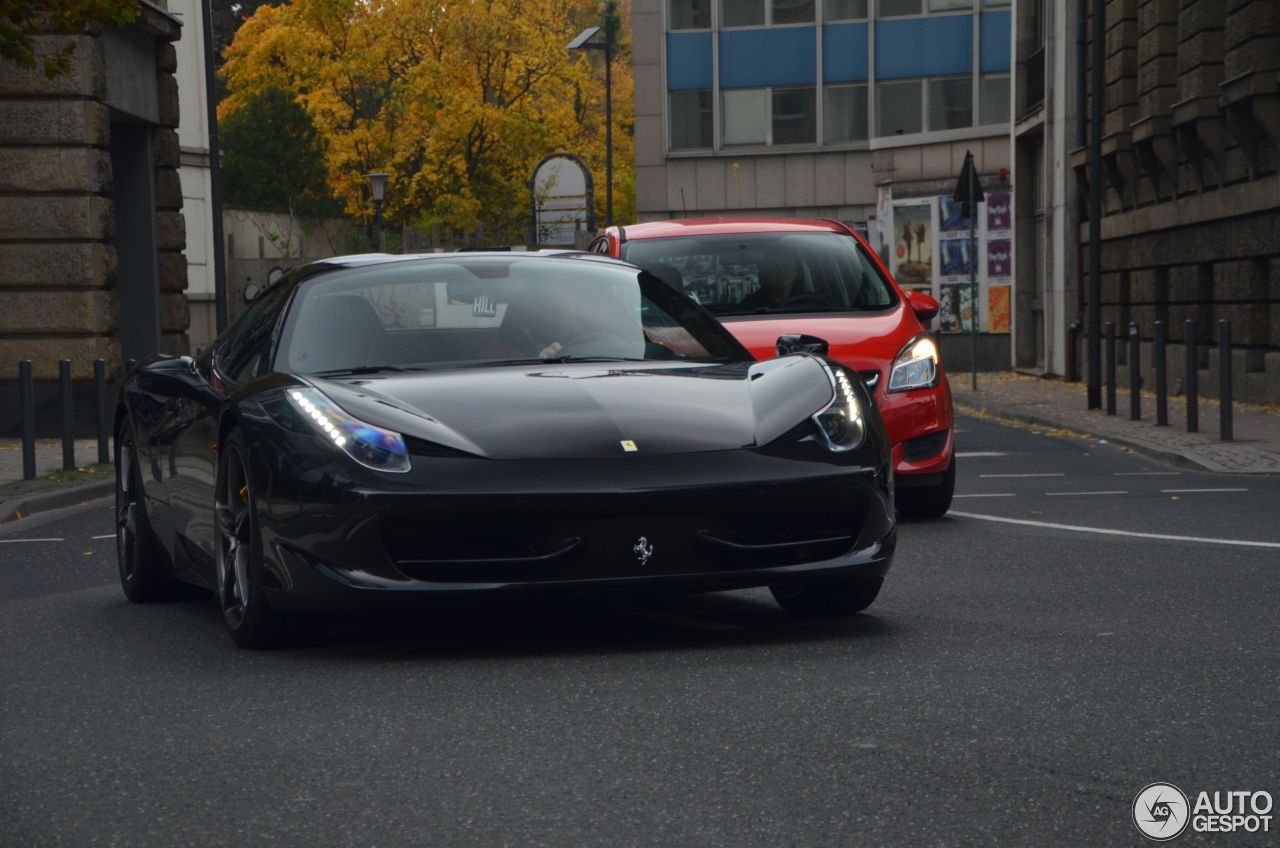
798, 343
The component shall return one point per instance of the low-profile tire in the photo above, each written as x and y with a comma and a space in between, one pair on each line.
247, 612
140, 558
827, 596
928, 501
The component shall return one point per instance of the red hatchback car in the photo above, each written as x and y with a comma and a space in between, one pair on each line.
768, 277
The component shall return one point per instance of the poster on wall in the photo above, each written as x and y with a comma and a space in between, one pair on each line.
951, 217
998, 308
999, 260
913, 244
955, 312
959, 259
999, 214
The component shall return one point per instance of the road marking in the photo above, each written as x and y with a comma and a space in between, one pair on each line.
999, 495
15, 541
108, 536
1147, 474
1107, 532
1189, 491
1022, 475
1064, 494
971, 454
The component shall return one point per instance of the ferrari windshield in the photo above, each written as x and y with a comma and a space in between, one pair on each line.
479, 310
748, 273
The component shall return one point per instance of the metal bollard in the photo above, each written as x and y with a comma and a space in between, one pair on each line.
100, 408
129, 365
28, 403
68, 415
1111, 367
1135, 374
1224, 380
1193, 379
1162, 378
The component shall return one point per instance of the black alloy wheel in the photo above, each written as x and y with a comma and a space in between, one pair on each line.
139, 555
245, 609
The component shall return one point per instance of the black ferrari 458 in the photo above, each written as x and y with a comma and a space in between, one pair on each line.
380, 428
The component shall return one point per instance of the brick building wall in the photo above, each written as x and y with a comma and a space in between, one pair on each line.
61, 292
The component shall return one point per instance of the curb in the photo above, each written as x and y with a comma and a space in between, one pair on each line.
28, 505
1176, 459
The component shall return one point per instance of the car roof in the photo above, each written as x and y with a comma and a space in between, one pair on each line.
359, 260
729, 225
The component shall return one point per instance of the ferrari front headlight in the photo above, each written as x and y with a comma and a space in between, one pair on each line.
916, 366
840, 422
371, 446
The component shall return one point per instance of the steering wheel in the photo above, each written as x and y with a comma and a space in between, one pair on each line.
806, 299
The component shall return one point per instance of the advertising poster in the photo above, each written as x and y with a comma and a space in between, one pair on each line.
951, 217
999, 260
999, 213
955, 313
913, 244
959, 259
998, 308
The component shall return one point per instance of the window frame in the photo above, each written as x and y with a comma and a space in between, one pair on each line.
768, 119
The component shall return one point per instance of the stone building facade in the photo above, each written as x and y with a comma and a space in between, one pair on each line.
1191, 143
91, 226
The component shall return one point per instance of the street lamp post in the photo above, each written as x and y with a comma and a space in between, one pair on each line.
378, 187
584, 42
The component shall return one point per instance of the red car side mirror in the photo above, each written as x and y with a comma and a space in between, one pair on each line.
924, 306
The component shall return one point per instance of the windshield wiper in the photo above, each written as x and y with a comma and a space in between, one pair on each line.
361, 369
550, 360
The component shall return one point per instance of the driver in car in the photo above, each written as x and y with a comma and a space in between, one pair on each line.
777, 281
539, 326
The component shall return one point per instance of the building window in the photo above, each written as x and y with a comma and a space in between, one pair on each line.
844, 116
744, 13
950, 103
690, 117
845, 10
901, 106
993, 98
746, 119
791, 11
738, 13
690, 14
896, 8
795, 116
769, 115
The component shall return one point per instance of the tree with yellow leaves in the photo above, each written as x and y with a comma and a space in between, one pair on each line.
456, 99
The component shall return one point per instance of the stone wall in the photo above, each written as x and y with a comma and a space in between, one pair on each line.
1191, 227
58, 258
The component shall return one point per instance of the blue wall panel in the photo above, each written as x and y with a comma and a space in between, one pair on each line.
921, 47
844, 52
995, 41
755, 57
688, 60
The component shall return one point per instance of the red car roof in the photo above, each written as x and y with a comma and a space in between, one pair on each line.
727, 225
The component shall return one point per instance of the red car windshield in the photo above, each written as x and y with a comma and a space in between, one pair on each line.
753, 273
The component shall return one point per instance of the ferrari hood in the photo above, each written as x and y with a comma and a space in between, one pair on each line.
591, 409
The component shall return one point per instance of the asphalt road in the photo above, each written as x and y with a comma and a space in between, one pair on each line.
1015, 684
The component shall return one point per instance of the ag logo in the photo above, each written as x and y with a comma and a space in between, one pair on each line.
1161, 812
643, 549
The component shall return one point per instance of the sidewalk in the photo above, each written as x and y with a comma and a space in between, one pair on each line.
1053, 403
48, 457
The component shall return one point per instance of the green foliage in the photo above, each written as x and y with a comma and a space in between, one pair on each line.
273, 158
20, 20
